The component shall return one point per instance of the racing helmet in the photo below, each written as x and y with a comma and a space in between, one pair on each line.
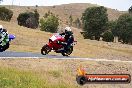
67, 29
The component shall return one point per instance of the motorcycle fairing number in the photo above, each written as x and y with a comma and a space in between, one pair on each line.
53, 38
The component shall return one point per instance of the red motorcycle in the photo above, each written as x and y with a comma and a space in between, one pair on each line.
56, 47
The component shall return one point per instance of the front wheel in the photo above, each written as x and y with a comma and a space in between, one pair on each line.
45, 50
68, 51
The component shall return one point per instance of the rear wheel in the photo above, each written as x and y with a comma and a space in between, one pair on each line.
45, 50
3, 48
68, 51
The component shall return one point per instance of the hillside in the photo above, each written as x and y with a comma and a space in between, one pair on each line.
30, 40
53, 73
63, 11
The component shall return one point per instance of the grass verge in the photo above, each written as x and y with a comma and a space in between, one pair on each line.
14, 78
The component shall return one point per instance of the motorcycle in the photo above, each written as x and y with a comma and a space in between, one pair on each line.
53, 45
6, 46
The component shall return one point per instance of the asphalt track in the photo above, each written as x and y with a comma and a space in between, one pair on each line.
13, 54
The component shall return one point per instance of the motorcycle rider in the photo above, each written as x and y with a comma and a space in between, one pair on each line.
4, 38
69, 38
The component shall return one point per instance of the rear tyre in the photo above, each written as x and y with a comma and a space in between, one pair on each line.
45, 50
67, 52
1, 49
5, 47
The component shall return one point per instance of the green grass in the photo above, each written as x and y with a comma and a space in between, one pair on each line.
55, 73
14, 78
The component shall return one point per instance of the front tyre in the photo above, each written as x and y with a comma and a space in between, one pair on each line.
45, 50
68, 51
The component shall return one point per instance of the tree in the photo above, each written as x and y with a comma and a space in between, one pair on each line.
29, 19
112, 27
36, 15
77, 23
5, 14
108, 36
54, 6
95, 21
22, 18
70, 20
31, 22
130, 10
124, 28
49, 24
36, 6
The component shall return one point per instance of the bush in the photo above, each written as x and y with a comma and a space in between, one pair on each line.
49, 23
5, 14
29, 19
108, 36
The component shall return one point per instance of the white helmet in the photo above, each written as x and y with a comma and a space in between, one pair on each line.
68, 29
1, 27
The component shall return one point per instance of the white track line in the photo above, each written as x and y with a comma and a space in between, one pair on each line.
68, 58
90, 59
